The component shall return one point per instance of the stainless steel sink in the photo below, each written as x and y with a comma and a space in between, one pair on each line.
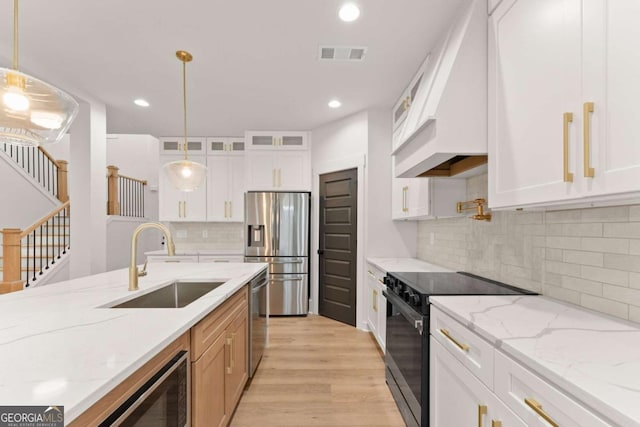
175, 295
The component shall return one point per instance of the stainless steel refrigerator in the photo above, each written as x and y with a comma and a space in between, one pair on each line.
277, 232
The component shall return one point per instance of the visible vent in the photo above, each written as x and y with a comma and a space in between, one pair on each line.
342, 53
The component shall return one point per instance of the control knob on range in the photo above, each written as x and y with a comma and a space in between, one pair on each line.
415, 300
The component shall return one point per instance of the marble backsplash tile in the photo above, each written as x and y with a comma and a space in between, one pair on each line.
590, 257
208, 235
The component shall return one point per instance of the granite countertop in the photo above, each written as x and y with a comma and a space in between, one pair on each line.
405, 264
59, 347
593, 357
186, 251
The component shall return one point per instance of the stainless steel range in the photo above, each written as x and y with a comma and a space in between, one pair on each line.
407, 356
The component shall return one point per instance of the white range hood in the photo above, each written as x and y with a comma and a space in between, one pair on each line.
445, 132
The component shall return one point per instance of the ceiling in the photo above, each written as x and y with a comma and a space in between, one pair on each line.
255, 61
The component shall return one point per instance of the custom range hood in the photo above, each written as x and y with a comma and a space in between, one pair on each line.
445, 131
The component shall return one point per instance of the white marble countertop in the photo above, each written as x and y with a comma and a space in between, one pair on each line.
591, 356
405, 264
186, 251
58, 347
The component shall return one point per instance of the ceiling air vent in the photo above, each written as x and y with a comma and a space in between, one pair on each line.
342, 53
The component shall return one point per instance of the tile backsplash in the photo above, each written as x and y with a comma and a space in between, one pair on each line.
589, 257
208, 235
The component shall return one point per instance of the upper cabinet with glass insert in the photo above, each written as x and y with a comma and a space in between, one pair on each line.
270, 140
225, 145
175, 145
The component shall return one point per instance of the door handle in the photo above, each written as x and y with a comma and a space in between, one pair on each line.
567, 118
320, 251
589, 172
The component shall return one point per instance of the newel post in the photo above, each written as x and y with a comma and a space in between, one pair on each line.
63, 188
113, 205
12, 261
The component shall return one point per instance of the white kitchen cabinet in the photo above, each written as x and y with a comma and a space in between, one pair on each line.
405, 101
176, 205
457, 398
175, 145
225, 186
278, 171
376, 305
522, 390
270, 140
492, 6
424, 198
549, 62
218, 145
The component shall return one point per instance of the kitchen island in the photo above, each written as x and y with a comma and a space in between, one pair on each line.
61, 345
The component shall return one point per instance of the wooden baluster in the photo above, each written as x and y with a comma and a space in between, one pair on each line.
113, 205
12, 261
63, 189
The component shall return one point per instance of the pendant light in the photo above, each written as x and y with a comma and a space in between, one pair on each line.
184, 174
32, 112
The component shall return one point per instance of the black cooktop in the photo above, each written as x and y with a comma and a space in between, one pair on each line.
428, 284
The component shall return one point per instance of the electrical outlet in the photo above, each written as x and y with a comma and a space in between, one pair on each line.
205, 234
181, 234
432, 238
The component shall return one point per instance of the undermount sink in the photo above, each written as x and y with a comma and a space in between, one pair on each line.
175, 295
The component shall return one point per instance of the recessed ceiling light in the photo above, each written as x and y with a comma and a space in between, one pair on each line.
141, 102
349, 12
334, 103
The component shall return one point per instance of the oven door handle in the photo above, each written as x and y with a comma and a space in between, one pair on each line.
414, 318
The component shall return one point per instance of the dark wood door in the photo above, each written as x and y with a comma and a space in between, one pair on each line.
338, 232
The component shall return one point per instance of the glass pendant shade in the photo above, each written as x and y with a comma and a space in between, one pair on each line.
185, 175
32, 112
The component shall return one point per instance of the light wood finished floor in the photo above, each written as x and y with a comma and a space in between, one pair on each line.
318, 372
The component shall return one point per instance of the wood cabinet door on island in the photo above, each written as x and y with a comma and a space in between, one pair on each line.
208, 389
237, 371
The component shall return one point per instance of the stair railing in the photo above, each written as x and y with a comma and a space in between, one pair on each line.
125, 194
45, 242
51, 174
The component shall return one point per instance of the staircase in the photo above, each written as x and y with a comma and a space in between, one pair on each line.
29, 255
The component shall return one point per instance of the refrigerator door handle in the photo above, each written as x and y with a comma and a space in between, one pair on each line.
293, 261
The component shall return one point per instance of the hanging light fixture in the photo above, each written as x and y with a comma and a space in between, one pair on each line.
32, 112
184, 174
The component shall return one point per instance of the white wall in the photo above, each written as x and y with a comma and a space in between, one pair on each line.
120, 230
61, 150
23, 201
385, 238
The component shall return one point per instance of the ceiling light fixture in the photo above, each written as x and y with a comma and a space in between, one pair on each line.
349, 12
32, 112
334, 103
141, 102
184, 174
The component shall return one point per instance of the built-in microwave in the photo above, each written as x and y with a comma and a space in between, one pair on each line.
163, 401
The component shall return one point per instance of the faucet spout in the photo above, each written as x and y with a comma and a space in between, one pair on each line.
133, 267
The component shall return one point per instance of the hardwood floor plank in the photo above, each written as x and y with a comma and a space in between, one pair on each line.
318, 372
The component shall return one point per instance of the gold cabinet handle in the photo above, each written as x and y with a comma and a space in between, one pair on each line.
405, 197
567, 118
229, 344
482, 411
230, 209
496, 423
409, 101
463, 347
537, 408
380, 280
375, 300
233, 350
371, 273
589, 172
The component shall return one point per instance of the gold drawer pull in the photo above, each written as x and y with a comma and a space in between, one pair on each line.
495, 423
375, 300
567, 118
229, 344
537, 408
589, 172
462, 347
482, 411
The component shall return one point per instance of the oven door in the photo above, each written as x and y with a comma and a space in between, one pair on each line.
405, 357
163, 401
